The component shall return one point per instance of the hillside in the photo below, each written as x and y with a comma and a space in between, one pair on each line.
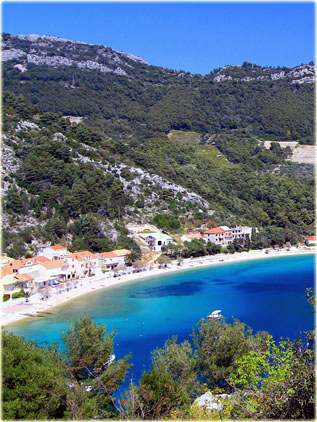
124, 96
94, 139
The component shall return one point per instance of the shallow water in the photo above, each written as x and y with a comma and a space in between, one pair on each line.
266, 294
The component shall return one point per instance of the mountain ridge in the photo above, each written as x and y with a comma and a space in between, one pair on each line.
128, 97
303, 73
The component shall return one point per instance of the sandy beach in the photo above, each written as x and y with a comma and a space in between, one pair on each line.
15, 313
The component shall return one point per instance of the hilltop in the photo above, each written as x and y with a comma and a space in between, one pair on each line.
125, 96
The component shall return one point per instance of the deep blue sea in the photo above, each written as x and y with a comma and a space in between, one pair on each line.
266, 294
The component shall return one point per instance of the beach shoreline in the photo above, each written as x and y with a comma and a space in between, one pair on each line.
16, 313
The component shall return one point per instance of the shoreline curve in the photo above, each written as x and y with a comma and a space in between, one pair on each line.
16, 313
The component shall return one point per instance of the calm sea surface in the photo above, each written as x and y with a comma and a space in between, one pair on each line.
266, 294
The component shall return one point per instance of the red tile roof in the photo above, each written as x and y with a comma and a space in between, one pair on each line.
54, 264
87, 253
17, 263
215, 230
56, 247
40, 258
6, 271
108, 255
24, 277
311, 238
75, 256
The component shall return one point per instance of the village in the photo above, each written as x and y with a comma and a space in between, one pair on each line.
55, 269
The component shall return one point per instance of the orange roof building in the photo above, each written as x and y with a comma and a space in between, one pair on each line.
7, 270
215, 230
40, 258
74, 255
108, 255
87, 254
24, 277
54, 264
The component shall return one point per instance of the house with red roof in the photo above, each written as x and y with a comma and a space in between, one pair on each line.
8, 282
27, 265
76, 265
108, 260
224, 235
215, 235
51, 272
12, 282
91, 262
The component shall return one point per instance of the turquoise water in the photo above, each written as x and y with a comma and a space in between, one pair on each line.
266, 294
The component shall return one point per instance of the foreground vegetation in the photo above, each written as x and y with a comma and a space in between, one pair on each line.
260, 377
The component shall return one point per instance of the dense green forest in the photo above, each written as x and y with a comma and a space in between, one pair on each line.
150, 99
249, 375
58, 183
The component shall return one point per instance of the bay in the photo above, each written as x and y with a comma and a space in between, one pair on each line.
267, 294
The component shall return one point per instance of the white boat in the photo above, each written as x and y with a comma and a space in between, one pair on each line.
215, 315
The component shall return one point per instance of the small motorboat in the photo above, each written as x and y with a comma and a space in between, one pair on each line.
215, 315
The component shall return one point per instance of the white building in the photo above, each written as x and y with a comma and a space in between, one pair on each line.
54, 252
108, 260
91, 263
243, 232
53, 270
215, 235
156, 240
76, 265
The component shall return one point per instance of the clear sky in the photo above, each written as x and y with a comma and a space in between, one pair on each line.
195, 37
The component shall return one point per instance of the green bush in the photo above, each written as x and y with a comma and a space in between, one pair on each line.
5, 298
21, 293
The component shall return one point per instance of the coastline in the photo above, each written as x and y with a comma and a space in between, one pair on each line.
16, 313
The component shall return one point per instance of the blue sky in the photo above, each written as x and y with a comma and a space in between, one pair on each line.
195, 37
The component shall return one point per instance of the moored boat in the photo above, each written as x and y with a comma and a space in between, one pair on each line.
215, 315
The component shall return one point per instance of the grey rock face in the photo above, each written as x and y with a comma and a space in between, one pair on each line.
132, 57
37, 54
210, 401
302, 74
12, 54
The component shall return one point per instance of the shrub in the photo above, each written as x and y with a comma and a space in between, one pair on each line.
21, 293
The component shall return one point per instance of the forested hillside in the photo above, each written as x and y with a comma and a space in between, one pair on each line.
151, 142
123, 95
